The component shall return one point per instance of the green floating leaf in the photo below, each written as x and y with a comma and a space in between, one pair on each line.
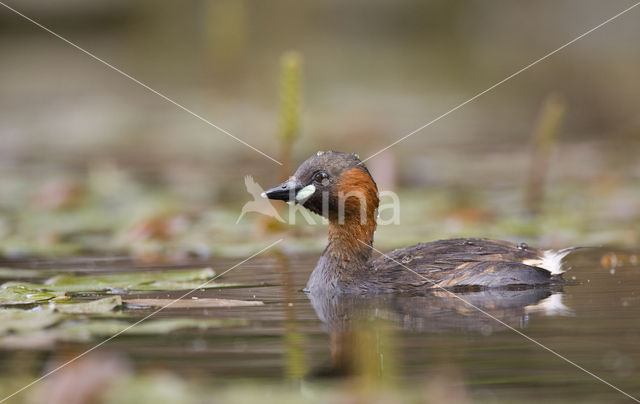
136, 281
14, 294
26, 321
99, 306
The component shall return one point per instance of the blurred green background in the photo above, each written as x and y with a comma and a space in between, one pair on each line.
93, 163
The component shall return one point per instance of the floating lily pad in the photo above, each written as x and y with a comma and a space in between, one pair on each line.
99, 306
14, 294
147, 280
192, 303
137, 281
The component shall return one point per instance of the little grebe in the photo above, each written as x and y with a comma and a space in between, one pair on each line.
339, 187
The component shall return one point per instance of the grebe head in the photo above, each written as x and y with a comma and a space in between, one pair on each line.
335, 185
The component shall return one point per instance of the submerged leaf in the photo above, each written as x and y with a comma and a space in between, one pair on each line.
192, 303
105, 305
102, 328
25, 321
34, 336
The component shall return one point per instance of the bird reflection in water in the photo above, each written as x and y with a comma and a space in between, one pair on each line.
350, 319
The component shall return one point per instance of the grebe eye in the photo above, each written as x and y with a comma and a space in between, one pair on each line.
321, 177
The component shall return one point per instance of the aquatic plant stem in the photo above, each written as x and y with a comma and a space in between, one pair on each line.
290, 96
545, 137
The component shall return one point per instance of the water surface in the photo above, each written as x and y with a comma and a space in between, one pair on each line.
593, 321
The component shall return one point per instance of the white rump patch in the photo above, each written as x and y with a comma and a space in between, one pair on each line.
305, 192
551, 261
